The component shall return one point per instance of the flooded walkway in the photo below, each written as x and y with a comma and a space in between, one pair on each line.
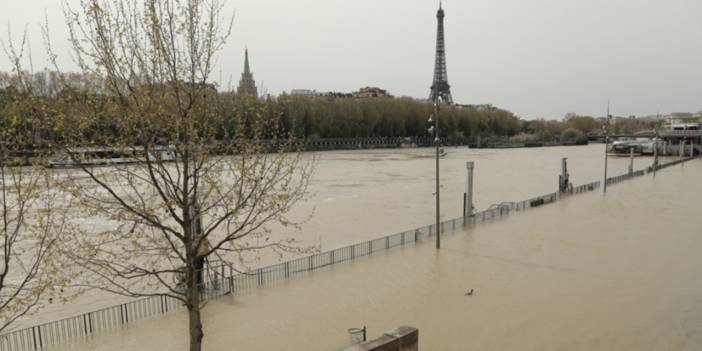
593, 272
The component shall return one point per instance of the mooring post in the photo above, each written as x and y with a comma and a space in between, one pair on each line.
682, 149
631, 161
655, 155
564, 178
665, 148
468, 195
692, 148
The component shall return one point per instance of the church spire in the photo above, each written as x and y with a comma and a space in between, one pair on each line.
247, 84
247, 69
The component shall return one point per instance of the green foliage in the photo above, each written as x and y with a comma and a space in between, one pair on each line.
572, 135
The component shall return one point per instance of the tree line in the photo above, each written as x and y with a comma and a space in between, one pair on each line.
309, 117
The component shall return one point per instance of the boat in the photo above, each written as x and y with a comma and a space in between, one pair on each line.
110, 156
641, 146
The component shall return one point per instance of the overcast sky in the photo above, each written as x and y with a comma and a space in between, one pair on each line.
538, 58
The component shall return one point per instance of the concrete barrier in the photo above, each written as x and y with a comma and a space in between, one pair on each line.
400, 339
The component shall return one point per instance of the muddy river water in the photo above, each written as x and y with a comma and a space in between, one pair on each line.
614, 272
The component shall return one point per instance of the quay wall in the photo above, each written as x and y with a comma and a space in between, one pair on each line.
400, 339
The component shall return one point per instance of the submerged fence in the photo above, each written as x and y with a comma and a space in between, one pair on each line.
223, 280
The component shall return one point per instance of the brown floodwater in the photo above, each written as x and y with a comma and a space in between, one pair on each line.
358, 195
593, 272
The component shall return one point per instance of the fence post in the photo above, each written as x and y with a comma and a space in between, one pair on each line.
310, 263
287, 269
260, 277
353, 251
387, 242
34, 337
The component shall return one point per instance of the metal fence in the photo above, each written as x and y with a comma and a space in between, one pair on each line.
222, 280
627, 176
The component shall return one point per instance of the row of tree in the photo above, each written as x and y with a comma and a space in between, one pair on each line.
303, 116
311, 117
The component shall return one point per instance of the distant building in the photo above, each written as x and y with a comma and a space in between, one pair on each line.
371, 92
247, 84
478, 107
681, 115
362, 93
306, 92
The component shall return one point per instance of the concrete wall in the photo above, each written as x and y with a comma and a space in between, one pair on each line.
400, 339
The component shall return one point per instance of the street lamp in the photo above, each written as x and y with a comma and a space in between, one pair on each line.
434, 130
606, 133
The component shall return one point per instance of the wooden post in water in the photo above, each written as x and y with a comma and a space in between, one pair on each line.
564, 178
468, 195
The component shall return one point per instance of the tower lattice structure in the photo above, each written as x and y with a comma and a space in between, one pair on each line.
440, 88
247, 84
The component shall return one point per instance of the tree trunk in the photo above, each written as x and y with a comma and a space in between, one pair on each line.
194, 320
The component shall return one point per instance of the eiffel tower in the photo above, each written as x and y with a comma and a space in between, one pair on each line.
440, 88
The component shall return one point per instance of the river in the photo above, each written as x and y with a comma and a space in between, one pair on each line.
608, 272
365, 194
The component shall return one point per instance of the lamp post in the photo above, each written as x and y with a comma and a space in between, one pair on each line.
606, 133
434, 129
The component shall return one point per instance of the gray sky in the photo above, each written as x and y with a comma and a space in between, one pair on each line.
538, 58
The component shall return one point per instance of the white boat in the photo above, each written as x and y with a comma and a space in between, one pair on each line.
641, 146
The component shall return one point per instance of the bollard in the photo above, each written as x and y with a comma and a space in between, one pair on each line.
682, 149
631, 161
655, 155
564, 178
468, 195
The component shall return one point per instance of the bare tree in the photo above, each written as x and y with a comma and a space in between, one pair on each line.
31, 218
192, 188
